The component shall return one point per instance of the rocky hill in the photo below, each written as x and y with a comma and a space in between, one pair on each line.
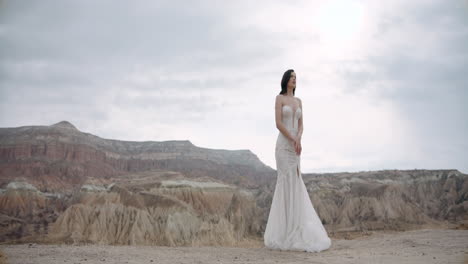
390, 199
62, 185
59, 157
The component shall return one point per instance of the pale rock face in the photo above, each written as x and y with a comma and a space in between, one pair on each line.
176, 216
194, 184
21, 186
395, 200
93, 188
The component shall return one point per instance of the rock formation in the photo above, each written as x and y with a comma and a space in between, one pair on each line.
389, 199
58, 184
160, 212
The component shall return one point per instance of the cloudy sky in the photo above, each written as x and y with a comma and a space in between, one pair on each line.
384, 84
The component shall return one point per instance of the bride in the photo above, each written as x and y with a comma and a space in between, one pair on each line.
292, 223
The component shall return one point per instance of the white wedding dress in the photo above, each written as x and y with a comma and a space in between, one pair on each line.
292, 223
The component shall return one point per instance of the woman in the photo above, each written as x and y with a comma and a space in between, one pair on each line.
292, 223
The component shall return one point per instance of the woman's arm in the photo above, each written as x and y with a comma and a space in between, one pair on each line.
278, 115
297, 145
300, 125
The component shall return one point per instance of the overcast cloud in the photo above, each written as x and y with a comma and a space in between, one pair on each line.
384, 85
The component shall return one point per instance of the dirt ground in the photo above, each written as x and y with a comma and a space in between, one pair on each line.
419, 246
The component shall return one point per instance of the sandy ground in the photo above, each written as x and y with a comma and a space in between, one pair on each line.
419, 246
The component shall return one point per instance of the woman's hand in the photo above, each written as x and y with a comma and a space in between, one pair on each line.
297, 145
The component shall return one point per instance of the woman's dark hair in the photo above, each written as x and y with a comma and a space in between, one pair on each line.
285, 80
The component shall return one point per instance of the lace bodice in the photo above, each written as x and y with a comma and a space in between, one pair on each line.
290, 118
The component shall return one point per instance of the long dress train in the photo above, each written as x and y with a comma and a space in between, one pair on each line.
293, 223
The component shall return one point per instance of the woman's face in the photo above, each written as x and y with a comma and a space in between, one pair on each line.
292, 80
